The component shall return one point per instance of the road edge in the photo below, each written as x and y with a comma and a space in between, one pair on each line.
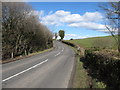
30, 55
70, 82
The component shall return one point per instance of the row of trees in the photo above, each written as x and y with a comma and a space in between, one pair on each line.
22, 31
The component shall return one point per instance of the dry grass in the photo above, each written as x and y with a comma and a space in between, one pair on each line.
21, 57
81, 79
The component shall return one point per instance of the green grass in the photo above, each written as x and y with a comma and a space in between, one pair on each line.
46, 50
88, 42
81, 79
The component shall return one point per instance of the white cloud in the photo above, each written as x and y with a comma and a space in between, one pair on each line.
62, 16
75, 36
62, 13
69, 36
92, 16
88, 25
72, 18
87, 17
88, 20
53, 19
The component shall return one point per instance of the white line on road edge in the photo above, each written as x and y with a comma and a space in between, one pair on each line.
57, 54
24, 70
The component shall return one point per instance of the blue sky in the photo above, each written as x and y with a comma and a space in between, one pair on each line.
78, 19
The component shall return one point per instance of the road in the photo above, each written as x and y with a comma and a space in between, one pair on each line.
47, 70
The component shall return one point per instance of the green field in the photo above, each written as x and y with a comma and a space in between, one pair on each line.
81, 79
106, 41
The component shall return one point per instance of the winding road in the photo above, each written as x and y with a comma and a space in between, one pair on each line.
47, 70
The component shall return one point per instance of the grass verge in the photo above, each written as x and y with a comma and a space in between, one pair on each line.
46, 50
21, 57
81, 78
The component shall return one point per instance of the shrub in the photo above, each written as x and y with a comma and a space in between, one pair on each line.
103, 67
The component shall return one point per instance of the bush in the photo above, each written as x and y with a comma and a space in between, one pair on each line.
103, 67
68, 43
71, 39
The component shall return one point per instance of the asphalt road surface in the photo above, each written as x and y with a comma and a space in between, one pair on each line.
47, 70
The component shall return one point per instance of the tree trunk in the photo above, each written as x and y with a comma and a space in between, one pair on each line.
25, 52
12, 55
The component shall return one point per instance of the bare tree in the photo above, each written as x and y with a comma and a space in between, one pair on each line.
112, 12
22, 31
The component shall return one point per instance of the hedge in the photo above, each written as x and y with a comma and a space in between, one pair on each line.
103, 67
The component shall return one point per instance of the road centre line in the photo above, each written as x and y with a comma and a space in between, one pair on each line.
25, 70
62, 49
57, 54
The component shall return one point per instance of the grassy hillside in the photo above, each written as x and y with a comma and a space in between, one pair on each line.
107, 41
84, 74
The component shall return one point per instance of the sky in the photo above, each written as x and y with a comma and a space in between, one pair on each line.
78, 19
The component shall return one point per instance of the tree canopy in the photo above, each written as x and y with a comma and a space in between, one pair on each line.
62, 34
22, 32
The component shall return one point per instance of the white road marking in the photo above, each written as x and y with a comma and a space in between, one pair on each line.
62, 49
25, 70
57, 54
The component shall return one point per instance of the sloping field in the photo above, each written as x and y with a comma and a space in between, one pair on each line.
107, 41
